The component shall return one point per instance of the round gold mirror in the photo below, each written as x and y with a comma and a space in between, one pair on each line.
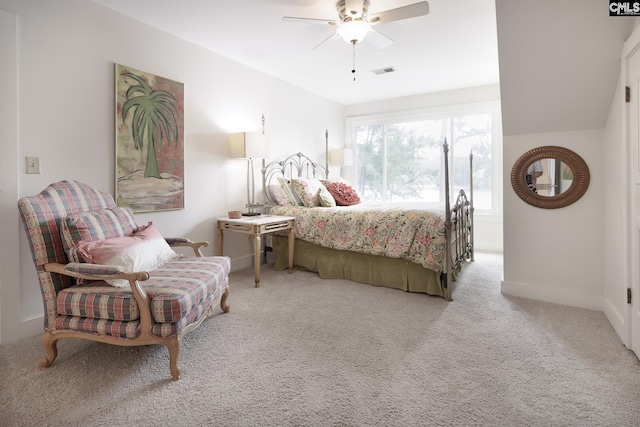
550, 177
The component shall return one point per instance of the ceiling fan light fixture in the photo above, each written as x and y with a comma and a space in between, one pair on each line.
354, 31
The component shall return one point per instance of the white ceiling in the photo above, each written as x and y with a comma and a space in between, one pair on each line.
452, 47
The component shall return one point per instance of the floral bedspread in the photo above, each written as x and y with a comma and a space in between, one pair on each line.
416, 235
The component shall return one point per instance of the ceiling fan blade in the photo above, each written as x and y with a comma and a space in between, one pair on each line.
309, 20
325, 40
404, 12
378, 39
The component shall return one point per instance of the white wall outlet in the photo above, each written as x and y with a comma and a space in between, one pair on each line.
33, 164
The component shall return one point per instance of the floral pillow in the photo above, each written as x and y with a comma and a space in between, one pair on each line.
344, 194
144, 250
306, 189
290, 195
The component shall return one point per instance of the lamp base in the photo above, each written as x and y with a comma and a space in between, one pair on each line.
250, 213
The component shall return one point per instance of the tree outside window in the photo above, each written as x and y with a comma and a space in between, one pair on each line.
402, 161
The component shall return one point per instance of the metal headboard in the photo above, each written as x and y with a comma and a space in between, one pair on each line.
295, 166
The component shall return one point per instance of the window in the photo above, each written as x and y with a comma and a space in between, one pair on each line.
399, 159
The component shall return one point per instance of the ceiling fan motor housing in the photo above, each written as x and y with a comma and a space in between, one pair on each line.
352, 14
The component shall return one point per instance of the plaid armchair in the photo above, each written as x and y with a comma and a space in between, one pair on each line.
135, 290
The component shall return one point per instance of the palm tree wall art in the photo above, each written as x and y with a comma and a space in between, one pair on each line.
149, 141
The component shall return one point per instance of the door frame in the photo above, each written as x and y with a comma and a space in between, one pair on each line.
9, 181
631, 135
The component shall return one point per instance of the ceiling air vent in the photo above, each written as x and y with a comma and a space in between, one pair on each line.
385, 70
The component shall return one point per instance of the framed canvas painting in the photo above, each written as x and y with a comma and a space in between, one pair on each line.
149, 141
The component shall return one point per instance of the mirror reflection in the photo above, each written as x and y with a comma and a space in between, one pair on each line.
549, 177
564, 180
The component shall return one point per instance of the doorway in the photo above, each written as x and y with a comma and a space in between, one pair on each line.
633, 140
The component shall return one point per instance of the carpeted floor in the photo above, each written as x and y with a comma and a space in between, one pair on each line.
304, 351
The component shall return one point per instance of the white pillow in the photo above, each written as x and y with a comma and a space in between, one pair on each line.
144, 250
326, 199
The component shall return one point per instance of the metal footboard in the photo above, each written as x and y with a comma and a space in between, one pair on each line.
458, 226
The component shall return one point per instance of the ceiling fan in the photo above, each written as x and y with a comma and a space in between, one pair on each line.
356, 23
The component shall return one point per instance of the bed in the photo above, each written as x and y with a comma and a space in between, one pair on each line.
413, 249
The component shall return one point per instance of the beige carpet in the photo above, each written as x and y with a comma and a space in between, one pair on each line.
310, 352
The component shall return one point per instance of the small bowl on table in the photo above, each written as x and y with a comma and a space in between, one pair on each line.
235, 214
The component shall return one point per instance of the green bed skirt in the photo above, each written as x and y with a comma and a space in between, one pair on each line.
370, 269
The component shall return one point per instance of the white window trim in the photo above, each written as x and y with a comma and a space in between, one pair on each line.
491, 107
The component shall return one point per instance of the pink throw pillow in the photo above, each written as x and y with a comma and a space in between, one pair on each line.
144, 250
344, 194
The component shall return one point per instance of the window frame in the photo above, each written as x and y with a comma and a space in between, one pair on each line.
446, 112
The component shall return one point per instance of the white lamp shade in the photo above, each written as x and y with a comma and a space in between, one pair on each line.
341, 157
249, 145
353, 31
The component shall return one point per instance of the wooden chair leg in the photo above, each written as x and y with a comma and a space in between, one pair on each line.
223, 301
50, 344
174, 350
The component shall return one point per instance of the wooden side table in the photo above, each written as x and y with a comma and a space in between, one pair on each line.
256, 226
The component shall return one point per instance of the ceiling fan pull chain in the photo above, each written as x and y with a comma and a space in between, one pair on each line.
353, 71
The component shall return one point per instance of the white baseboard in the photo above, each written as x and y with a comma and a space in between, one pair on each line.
242, 262
617, 320
32, 327
552, 294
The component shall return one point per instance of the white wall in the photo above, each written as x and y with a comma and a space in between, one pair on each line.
67, 50
429, 100
559, 66
556, 255
559, 61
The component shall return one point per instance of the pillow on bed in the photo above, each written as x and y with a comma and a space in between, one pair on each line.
326, 199
344, 194
307, 189
290, 195
144, 250
278, 194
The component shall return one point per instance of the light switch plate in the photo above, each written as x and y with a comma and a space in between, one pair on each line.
33, 164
